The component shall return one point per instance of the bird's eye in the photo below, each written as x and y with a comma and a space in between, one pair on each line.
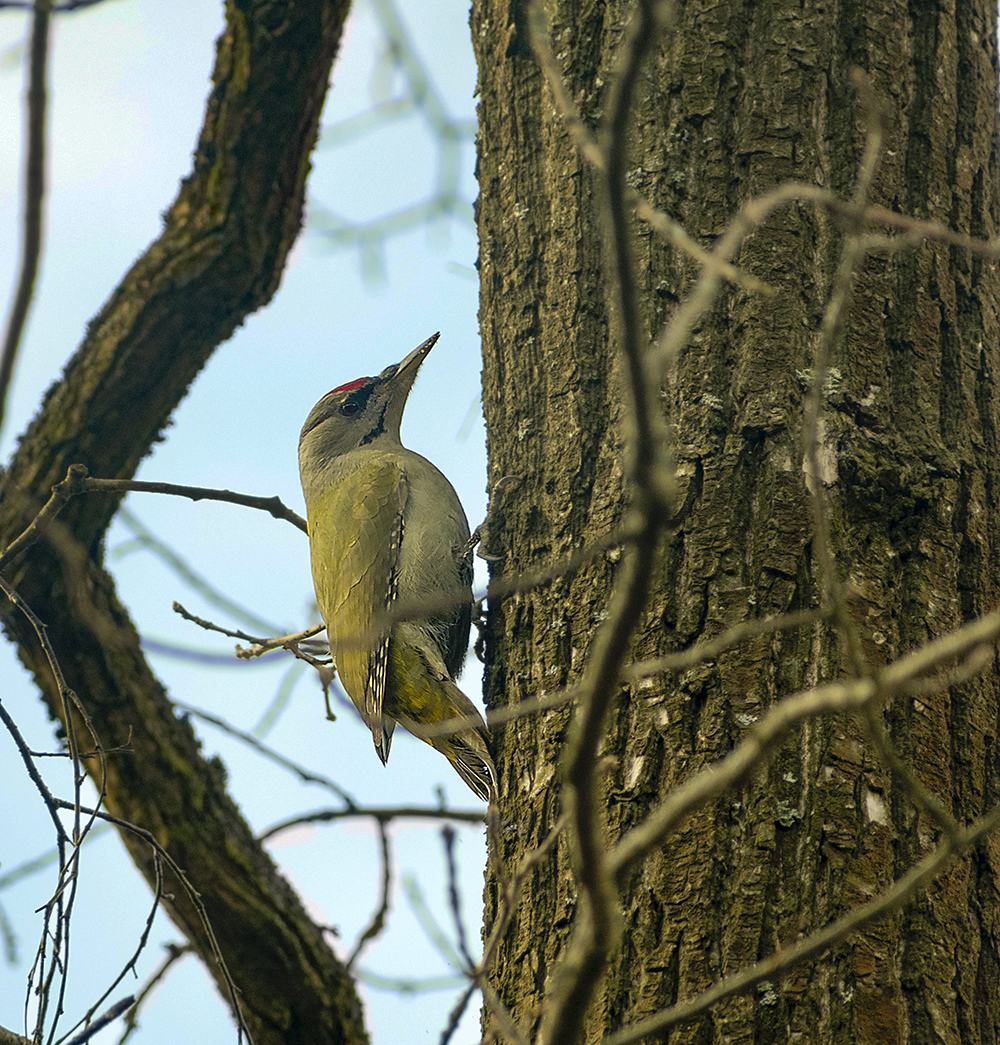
349, 408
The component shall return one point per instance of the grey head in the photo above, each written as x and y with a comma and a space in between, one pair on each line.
363, 413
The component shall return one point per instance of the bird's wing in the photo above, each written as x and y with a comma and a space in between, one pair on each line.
375, 688
355, 565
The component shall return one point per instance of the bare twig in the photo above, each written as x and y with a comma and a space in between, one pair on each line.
307, 776
680, 661
193, 896
455, 1016
262, 646
34, 195
272, 505
755, 212
454, 899
415, 610
230, 633
147, 540
61, 493
174, 954
48, 798
598, 925
116, 1010
435, 934
379, 813
676, 334
60, 906
933, 230
76, 482
509, 1027
921, 797
585, 142
377, 923
711, 648
541, 44
511, 895
420, 96
102, 1021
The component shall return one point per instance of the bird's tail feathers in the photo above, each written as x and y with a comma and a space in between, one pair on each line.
475, 768
466, 747
382, 736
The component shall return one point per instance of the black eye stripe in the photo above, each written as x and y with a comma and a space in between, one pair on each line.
356, 402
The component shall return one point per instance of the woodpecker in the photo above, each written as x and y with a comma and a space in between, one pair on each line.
387, 532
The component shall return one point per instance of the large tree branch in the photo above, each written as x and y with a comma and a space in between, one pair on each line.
220, 256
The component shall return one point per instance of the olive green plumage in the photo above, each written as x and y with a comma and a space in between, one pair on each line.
392, 569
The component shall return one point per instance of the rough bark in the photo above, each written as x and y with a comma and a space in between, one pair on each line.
738, 98
220, 256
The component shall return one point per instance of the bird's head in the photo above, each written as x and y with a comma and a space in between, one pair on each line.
364, 412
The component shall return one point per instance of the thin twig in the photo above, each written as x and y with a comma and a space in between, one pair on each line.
920, 796
147, 540
34, 196
437, 936
587, 145
174, 954
61, 905
454, 898
509, 1027
48, 799
307, 776
933, 230
272, 505
680, 661
238, 633
677, 332
524, 581
510, 897
377, 923
76, 483
103, 1020
379, 813
193, 896
755, 212
117, 1009
709, 649
598, 924
455, 1016
60, 495
262, 646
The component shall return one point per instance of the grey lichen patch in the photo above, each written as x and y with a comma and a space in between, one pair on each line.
787, 815
832, 379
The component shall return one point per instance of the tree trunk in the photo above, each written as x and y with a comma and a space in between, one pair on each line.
735, 100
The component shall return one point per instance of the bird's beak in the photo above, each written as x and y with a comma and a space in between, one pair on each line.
402, 374
417, 356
